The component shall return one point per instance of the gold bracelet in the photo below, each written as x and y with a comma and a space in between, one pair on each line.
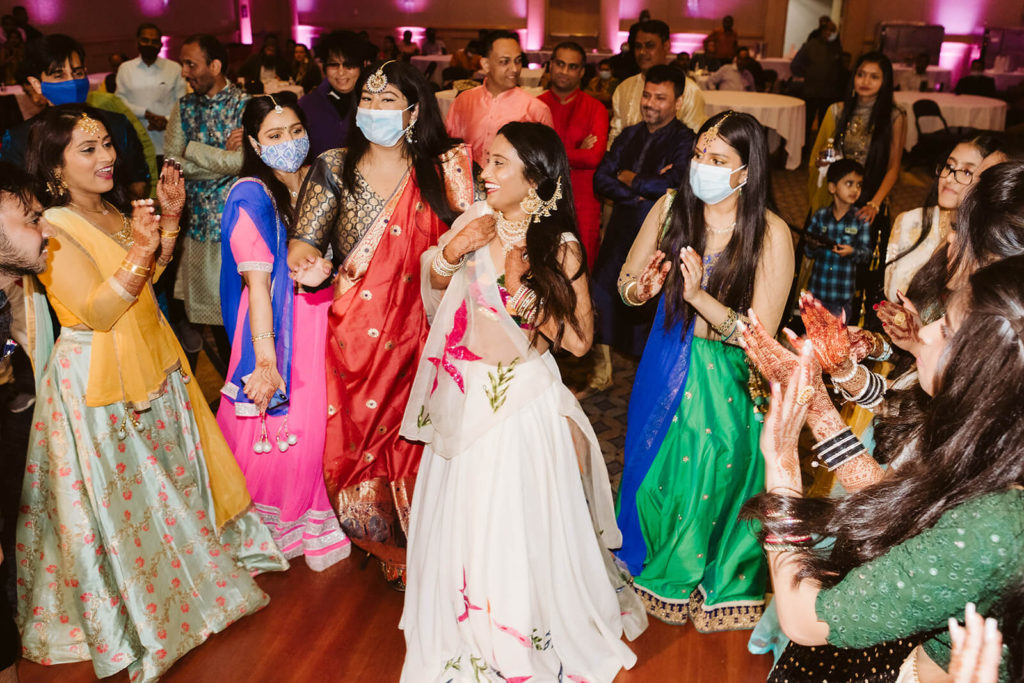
168, 234
135, 268
265, 335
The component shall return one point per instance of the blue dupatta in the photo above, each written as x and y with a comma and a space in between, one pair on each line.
253, 196
665, 363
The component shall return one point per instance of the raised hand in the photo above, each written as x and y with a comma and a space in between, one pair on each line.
479, 232
826, 332
145, 225
977, 648
652, 278
782, 426
901, 322
170, 189
772, 360
692, 266
516, 266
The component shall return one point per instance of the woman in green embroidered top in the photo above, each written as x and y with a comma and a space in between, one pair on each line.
946, 529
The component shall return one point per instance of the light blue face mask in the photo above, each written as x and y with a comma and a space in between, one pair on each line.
382, 126
286, 156
711, 183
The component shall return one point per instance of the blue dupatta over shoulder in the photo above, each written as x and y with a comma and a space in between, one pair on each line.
253, 196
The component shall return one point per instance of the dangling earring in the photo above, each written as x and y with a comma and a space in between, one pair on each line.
57, 187
410, 138
535, 207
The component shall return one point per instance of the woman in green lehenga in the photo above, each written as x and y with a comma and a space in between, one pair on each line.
692, 443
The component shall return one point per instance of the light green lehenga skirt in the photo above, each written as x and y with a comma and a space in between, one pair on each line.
703, 563
119, 560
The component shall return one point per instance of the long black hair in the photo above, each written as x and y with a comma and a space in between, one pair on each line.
430, 139
732, 281
545, 161
971, 443
49, 136
252, 165
879, 123
985, 143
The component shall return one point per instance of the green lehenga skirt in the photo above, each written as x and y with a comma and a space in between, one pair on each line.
119, 559
703, 563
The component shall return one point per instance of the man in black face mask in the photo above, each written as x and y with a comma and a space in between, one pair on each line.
150, 84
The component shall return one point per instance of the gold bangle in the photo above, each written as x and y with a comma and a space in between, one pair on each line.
168, 234
265, 335
135, 268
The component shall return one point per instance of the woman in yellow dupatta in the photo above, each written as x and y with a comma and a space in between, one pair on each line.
134, 539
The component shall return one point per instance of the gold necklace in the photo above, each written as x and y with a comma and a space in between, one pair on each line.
122, 236
510, 232
720, 231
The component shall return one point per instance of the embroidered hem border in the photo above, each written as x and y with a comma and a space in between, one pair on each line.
730, 616
316, 536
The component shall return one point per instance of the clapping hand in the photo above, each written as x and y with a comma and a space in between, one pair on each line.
692, 266
145, 225
653, 277
170, 189
786, 416
829, 334
977, 648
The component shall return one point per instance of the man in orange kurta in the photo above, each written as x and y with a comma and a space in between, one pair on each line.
477, 115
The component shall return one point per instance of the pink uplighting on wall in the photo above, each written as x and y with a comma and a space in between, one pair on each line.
304, 34
244, 22
152, 8
958, 17
43, 11
417, 33
957, 58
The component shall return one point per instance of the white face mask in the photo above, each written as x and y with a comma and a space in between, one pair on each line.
711, 183
605, 75
382, 126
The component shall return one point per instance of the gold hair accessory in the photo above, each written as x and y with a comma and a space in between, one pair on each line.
377, 81
278, 109
712, 132
536, 207
89, 125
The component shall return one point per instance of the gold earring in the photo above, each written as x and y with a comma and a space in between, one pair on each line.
57, 187
532, 205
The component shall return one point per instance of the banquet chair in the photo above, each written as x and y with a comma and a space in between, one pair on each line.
934, 145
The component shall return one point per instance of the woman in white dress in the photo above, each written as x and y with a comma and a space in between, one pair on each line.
509, 575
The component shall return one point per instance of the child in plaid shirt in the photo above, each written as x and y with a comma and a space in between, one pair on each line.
837, 240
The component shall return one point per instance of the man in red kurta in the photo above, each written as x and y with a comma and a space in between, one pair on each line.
582, 123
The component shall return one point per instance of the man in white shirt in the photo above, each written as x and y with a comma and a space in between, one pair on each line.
731, 77
150, 85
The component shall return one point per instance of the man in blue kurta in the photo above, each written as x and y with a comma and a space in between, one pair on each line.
204, 134
645, 161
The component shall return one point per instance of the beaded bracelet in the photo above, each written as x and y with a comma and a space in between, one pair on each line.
837, 449
442, 267
843, 380
781, 547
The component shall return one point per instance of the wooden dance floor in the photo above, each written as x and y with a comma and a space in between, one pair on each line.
342, 625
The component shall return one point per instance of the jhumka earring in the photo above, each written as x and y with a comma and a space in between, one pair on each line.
409, 135
535, 207
57, 187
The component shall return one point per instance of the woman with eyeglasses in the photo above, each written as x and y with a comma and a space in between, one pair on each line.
917, 233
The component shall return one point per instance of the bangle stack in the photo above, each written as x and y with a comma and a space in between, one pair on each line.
785, 543
525, 304
871, 394
836, 379
627, 285
837, 449
135, 268
169, 234
727, 327
442, 267
265, 335
886, 351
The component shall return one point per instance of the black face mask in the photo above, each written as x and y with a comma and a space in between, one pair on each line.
149, 52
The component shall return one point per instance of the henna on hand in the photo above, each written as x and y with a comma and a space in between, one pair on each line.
785, 419
827, 332
862, 344
653, 276
901, 322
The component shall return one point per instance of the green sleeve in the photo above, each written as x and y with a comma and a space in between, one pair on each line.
971, 554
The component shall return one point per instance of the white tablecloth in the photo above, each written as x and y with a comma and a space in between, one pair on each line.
530, 78
959, 110
780, 65
543, 56
422, 62
1006, 79
446, 97
936, 76
781, 113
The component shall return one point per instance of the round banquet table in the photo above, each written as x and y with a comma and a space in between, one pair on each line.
779, 65
936, 76
422, 62
1006, 79
446, 97
969, 111
530, 78
783, 114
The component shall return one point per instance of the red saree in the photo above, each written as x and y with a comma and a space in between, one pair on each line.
376, 331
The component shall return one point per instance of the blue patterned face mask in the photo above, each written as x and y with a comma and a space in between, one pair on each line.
286, 156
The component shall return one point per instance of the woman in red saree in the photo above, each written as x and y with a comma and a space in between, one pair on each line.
372, 209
